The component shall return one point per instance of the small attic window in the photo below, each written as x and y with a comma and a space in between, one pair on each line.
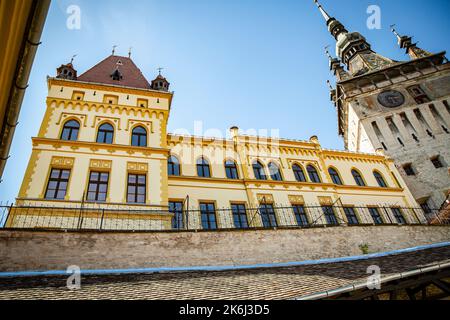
119, 63
117, 76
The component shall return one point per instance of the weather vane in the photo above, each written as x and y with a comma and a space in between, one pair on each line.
129, 52
114, 49
160, 69
73, 58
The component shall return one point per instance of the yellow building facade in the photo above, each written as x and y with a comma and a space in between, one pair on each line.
103, 156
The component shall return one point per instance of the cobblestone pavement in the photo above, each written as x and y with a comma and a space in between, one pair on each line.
265, 284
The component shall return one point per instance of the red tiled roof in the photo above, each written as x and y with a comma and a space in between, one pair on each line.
131, 75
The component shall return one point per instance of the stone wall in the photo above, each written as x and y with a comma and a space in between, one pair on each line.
30, 250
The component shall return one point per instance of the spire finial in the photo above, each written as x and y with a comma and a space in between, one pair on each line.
322, 11
129, 52
327, 52
114, 49
159, 70
329, 85
73, 58
392, 26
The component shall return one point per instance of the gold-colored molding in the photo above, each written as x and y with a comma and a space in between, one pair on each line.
137, 167
62, 162
100, 164
296, 199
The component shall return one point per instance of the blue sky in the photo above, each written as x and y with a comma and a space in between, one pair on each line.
257, 64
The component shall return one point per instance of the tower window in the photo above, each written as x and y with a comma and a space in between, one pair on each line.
335, 176
57, 184
70, 131
300, 215
375, 214
351, 215
274, 171
330, 216
105, 133
437, 162
298, 173
268, 216
173, 166
203, 168
258, 171
409, 170
231, 170
358, 178
139, 137
418, 94
208, 214
137, 184
176, 207
380, 180
98, 186
313, 175
398, 215
239, 216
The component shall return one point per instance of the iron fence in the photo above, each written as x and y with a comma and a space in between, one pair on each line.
266, 216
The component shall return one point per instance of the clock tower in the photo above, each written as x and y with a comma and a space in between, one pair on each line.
401, 107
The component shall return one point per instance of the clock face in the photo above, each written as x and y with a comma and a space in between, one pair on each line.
391, 99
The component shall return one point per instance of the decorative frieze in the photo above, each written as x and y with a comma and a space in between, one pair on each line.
62, 162
100, 164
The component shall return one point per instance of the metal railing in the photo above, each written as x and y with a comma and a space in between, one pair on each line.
264, 217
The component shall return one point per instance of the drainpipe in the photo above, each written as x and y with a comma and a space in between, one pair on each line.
30, 44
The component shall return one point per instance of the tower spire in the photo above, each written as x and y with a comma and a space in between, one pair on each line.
322, 11
405, 42
334, 26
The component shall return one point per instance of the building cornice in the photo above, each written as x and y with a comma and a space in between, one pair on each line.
56, 143
111, 88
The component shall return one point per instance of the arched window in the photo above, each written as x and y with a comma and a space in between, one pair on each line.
173, 166
381, 182
313, 175
231, 169
358, 178
203, 168
139, 137
274, 172
335, 176
105, 133
298, 173
258, 171
70, 131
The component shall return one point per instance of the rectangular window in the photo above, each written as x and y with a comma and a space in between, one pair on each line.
437, 163
425, 207
176, 207
409, 170
351, 215
376, 215
418, 94
208, 214
137, 185
268, 216
300, 215
239, 216
330, 217
398, 215
57, 184
98, 186
111, 99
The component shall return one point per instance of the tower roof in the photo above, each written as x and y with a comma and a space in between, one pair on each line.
131, 75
